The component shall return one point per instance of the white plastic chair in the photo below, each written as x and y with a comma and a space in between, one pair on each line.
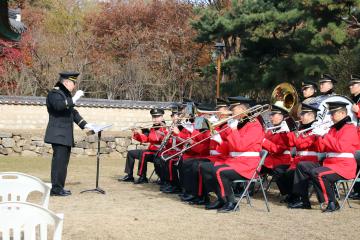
16, 187
19, 220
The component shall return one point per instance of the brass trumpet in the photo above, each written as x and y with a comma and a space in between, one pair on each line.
325, 124
251, 113
145, 126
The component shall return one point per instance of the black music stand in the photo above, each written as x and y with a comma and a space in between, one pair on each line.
98, 130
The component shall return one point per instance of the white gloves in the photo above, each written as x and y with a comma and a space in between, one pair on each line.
189, 127
213, 119
320, 131
283, 127
89, 126
217, 138
77, 96
232, 123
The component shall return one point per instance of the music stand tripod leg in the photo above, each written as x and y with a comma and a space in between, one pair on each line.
97, 188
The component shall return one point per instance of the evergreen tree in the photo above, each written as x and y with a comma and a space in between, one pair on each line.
280, 41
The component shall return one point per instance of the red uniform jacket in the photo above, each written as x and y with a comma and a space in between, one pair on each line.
174, 140
155, 138
218, 152
342, 138
358, 116
247, 140
279, 151
307, 148
200, 150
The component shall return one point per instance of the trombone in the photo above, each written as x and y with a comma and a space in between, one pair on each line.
251, 113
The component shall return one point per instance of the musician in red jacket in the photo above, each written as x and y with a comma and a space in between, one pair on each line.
192, 179
244, 138
154, 137
161, 167
354, 86
275, 141
340, 144
174, 164
307, 149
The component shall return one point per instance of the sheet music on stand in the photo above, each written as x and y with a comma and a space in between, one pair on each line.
95, 128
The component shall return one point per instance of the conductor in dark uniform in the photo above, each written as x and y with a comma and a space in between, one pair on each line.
59, 132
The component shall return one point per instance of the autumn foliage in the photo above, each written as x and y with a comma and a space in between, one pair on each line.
139, 50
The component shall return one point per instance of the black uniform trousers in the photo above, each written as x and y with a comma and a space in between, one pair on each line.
192, 178
207, 172
59, 164
302, 178
160, 168
220, 179
357, 185
168, 170
284, 178
144, 156
323, 179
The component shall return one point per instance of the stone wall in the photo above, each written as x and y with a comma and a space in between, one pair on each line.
36, 117
23, 120
113, 144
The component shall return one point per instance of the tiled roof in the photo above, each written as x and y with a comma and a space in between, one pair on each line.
87, 102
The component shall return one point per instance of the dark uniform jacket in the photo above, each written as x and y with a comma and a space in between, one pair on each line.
62, 114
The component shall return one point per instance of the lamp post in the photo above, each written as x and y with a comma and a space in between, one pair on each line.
219, 50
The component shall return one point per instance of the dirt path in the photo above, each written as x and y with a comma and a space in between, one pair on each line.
128, 211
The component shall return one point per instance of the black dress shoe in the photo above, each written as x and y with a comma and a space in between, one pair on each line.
141, 180
200, 201
67, 191
59, 193
187, 197
355, 196
126, 178
160, 183
289, 199
165, 186
228, 207
172, 189
332, 206
215, 205
301, 204
183, 194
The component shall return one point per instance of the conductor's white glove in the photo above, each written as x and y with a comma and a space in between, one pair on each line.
89, 126
217, 138
77, 96
232, 123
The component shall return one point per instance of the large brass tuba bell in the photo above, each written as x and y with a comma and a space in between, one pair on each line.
286, 97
